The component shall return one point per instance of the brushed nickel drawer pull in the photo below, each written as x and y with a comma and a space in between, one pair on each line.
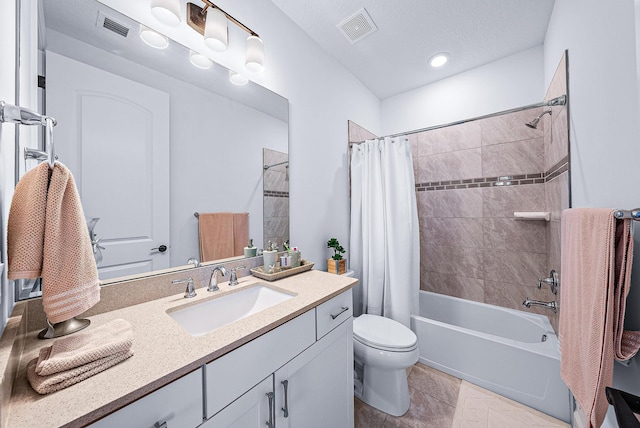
343, 309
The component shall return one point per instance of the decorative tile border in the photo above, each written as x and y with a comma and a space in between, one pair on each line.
276, 194
503, 180
557, 169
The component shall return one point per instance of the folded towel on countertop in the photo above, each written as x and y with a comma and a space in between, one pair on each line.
61, 380
48, 237
597, 254
71, 359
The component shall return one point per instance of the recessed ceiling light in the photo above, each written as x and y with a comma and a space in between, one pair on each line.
439, 59
153, 39
237, 78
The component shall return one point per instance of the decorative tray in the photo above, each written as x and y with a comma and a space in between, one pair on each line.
280, 273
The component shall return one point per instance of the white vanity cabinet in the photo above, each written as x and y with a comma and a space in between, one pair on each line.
319, 384
246, 388
311, 354
178, 404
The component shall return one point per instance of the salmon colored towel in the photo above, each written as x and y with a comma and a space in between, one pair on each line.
47, 236
597, 253
74, 358
222, 235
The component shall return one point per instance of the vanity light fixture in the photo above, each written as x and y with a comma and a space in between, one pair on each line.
216, 33
153, 39
166, 11
439, 59
237, 78
211, 22
200, 61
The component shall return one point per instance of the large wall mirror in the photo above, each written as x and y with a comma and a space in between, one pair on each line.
152, 139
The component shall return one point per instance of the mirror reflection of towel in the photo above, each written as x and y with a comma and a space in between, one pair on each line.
222, 235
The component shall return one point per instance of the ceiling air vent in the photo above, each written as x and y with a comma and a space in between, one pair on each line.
112, 25
357, 26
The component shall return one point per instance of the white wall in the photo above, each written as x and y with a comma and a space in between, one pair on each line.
510, 82
215, 147
603, 97
7, 140
604, 135
323, 96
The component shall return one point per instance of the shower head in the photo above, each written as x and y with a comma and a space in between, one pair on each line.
534, 123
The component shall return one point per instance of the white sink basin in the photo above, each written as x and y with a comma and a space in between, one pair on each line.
205, 317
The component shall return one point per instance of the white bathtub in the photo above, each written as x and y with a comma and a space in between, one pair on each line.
512, 353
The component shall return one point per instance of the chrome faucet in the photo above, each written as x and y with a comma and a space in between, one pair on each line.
551, 281
549, 305
234, 275
191, 289
193, 261
213, 281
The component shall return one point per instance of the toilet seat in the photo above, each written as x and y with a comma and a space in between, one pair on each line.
383, 333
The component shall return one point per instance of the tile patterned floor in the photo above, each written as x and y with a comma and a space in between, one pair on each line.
439, 400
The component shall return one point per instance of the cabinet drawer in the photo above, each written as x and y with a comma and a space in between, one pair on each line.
179, 404
332, 313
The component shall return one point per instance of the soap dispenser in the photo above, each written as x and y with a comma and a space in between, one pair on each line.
270, 255
250, 250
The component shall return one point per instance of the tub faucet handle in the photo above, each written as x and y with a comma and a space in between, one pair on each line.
551, 281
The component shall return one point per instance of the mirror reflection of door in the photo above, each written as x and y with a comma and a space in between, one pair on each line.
113, 134
275, 197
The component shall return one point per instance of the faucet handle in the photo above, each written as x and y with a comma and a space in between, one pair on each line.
191, 289
551, 280
234, 274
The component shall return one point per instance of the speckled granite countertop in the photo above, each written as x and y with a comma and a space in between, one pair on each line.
163, 351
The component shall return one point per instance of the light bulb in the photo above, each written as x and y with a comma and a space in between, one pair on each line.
199, 60
237, 78
215, 30
166, 11
153, 39
254, 60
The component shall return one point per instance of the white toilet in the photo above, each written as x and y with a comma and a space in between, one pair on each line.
385, 348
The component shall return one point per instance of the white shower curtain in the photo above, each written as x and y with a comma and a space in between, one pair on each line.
385, 246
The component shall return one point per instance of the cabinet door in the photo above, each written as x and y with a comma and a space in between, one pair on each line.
319, 384
253, 409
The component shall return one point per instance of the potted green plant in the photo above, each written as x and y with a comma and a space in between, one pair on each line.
336, 264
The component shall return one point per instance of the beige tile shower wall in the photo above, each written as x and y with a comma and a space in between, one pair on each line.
276, 198
471, 245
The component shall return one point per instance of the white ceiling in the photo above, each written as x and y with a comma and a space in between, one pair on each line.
394, 59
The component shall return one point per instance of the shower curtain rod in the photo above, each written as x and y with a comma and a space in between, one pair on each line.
558, 101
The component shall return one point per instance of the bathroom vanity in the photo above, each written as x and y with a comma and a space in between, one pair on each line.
290, 365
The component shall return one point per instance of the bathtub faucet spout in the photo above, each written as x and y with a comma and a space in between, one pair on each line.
549, 305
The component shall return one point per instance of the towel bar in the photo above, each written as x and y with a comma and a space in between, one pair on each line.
633, 214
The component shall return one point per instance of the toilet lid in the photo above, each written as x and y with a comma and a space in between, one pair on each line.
384, 333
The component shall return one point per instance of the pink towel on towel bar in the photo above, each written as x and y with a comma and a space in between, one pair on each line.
597, 253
